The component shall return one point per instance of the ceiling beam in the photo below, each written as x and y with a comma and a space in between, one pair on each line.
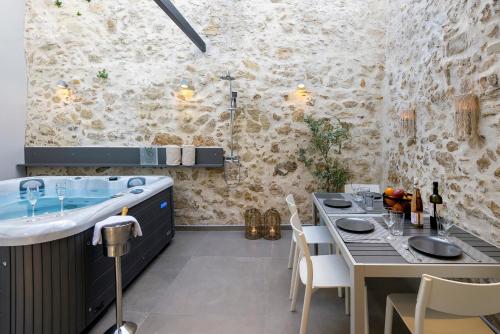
169, 8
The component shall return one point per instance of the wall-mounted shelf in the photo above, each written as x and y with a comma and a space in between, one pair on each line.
103, 157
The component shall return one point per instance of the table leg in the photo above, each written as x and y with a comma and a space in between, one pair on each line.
358, 301
315, 218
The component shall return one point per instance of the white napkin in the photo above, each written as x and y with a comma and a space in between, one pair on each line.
136, 228
173, 155
188, 155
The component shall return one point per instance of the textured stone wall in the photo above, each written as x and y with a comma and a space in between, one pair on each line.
435, 51
269, 45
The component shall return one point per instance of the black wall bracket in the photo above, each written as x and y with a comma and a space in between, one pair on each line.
169, 8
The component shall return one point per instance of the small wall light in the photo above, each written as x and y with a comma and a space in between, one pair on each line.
301, 89
62, 84
467, 114
186, 89
407, 119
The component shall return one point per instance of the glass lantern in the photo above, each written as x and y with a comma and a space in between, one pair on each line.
272, 225
253, 224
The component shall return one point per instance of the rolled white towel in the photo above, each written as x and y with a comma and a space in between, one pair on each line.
188, 155
173, 155
136, 228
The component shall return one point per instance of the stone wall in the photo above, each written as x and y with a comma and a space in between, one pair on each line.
435, 51
335, 47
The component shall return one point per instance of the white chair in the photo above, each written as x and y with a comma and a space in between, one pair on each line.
443, 306
348, 188
313, 234
316, 272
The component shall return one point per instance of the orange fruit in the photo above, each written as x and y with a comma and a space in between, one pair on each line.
389, 191
398, 207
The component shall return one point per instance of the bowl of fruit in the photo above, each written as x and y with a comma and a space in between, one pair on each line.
398, 200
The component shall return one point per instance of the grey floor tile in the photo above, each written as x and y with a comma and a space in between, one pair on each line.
218, 285
185, 243
233, 244
206, 324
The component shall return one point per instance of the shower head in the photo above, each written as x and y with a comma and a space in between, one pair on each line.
227, 77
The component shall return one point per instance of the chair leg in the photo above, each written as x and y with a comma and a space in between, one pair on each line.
389, 312
305, 310
291, 255
294, 270
296, 279
347, 301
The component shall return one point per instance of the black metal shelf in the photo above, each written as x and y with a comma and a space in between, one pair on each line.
103, 157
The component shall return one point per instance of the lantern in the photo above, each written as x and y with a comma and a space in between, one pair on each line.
272, 225
253, 224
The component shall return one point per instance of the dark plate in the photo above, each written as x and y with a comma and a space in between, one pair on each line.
357, 225
434, 246
337, 203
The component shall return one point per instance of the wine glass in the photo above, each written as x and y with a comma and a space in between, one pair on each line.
33, 195
61, 193
389, 222
446, 224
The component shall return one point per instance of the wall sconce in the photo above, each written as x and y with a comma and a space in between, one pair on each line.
62, 84
467, 114
186, 89
301, 89
62, 89
407, 119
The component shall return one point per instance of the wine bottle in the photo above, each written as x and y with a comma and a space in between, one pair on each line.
417, 208
435, 199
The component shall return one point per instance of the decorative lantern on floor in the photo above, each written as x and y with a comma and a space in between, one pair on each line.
253, 224
467, 118
272, 224
407, 117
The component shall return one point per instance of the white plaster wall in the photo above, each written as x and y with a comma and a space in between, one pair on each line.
12, 87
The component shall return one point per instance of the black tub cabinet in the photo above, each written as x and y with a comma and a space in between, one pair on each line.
62, 286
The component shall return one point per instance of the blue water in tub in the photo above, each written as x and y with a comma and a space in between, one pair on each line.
14, 206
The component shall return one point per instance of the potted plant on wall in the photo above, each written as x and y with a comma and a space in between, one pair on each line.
326, 138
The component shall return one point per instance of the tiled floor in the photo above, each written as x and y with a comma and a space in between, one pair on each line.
219, 282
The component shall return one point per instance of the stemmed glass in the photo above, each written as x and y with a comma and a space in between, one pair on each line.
33, 195
61, 193
389, 222
446, 224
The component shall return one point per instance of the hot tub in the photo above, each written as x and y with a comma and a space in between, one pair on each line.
51, 277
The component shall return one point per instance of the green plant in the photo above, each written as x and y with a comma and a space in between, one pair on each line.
102, 74
78, 14
58, 3
326, 137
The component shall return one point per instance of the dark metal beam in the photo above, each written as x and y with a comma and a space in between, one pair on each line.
169, 8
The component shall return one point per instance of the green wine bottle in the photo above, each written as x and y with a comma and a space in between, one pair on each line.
435, 199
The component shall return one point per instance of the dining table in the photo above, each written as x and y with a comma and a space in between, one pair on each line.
372, 255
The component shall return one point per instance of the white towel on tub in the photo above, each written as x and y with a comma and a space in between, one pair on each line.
188, 155
136, 228
173, 155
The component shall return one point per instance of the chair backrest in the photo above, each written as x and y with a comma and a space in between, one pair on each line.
302, 243
348, 188
290, 201
457, 298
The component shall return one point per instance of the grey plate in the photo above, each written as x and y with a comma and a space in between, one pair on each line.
337, 203
434, 246
357, 225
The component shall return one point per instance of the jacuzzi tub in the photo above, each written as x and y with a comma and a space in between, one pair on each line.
88, 200
52, 278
